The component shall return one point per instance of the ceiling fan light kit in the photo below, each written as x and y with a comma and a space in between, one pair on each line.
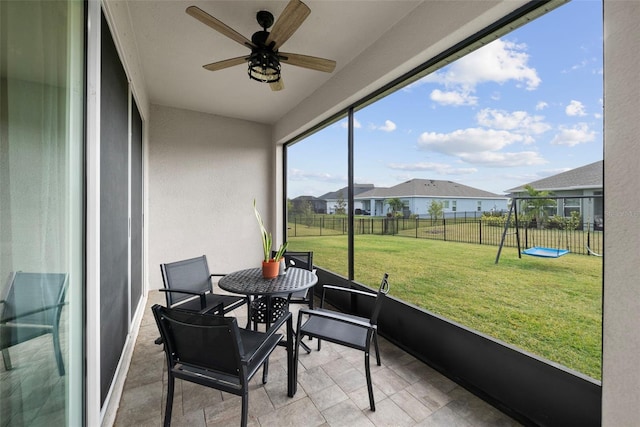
264, 66
264, 60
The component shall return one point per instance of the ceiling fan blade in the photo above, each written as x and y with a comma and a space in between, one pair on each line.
288, 22
306, 61
219, 26
215, 66
276, 86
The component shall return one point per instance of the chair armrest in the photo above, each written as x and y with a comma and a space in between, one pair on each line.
350, 290
272, 331
340, 317
278, 324
203, 298
210, 310
217, 274
182, 291
342, 289
30, 312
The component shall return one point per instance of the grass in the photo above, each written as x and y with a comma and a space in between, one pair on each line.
549, 307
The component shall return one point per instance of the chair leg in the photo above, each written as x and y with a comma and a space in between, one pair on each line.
291, 367
311, 307
58, 352
375, 344
296, 353
245, 409
169, 407
367, 369
265, 371
7, 359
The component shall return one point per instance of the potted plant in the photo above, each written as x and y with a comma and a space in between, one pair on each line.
270, 265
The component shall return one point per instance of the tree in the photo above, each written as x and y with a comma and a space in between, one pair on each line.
396, 205
307, 213
535, 208
436, 209
341, 205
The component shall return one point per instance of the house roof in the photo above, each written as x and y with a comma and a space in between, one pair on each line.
309, 198
357, 189
428, 188
588, 176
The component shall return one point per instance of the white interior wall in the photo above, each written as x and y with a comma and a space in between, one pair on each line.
621, 353
204, 172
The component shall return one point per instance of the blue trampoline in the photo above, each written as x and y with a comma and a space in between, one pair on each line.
545, 252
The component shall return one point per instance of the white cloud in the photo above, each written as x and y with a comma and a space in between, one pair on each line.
579, 134
575, 108
504, 160
480, 146
356, 124
541, 105
500, 61
439, 168
388, 126
300, 175
453, 98
468, 140
518, 121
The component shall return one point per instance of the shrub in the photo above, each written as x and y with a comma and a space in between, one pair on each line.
495, 220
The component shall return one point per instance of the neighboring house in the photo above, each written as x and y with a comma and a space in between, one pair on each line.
418, 194
335, 197
583, 181
318, 205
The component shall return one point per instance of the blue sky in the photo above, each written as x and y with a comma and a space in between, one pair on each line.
526, 106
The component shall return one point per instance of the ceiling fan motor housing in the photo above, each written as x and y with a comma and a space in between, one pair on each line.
264, 64
264, 18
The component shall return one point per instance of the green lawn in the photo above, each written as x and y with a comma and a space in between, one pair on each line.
549, 307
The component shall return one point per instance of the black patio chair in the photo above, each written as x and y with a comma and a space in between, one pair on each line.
345, 329
186, 279
213, 351
183, 280
300, 260
31, 307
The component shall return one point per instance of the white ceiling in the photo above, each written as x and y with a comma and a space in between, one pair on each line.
172, 48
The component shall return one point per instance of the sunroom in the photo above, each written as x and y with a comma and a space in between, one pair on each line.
121, 152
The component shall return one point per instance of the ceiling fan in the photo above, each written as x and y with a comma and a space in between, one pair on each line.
265, 58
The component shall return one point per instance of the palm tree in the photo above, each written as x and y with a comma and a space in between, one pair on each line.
535, 208
395, 204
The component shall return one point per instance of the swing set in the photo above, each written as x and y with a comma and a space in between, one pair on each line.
541, 251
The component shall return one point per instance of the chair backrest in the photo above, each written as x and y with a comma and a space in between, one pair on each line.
200, 340
189, 274
382, 292
41, 294
299, 259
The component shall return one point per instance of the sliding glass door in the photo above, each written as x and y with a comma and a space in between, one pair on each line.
41, 212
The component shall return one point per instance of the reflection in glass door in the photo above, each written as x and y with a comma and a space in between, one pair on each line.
41, 219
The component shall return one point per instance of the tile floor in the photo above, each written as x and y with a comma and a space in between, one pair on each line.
331, 391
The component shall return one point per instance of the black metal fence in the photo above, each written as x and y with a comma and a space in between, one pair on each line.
464, 227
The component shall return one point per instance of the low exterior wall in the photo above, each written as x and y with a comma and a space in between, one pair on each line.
530, 389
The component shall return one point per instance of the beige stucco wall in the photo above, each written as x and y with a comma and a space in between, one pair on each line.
621, 354
200, 202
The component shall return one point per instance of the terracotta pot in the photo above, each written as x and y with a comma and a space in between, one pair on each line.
270, 269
